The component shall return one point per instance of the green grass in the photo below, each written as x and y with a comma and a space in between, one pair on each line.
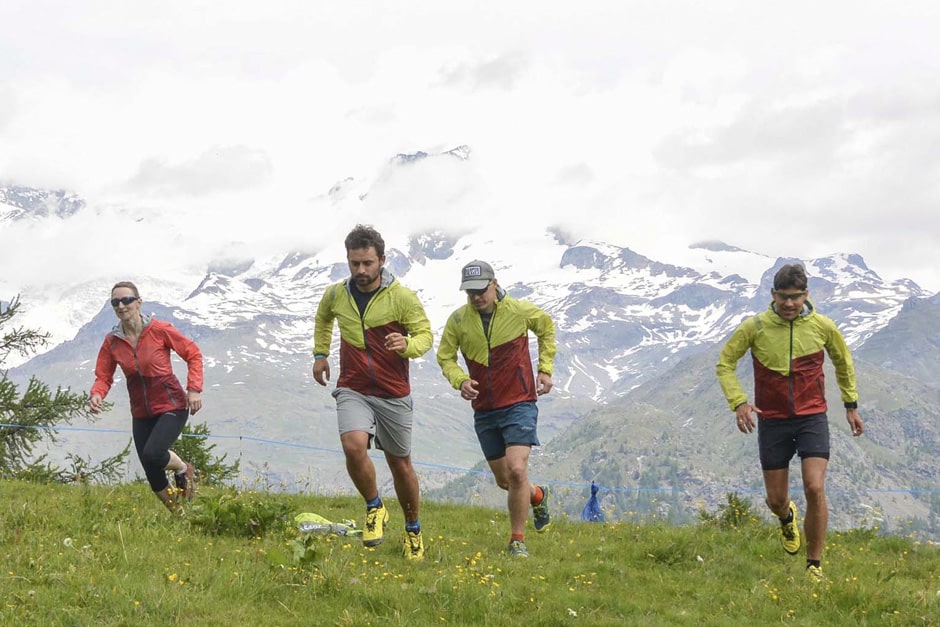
79, 555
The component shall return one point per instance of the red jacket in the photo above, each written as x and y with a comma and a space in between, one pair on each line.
152, 386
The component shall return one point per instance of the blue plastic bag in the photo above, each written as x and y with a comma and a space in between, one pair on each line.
592, 510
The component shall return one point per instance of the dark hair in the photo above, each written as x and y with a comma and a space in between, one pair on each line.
126, 284
791, 276
364, 236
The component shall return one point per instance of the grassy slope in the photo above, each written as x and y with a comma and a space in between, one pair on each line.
112, 556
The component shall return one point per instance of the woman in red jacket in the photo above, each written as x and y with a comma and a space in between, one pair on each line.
159, 405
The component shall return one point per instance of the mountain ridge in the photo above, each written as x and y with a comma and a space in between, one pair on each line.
624, 322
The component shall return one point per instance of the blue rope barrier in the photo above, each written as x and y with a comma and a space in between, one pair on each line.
612, 489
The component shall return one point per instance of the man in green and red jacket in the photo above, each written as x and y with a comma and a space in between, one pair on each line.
382, 325
788, 343
492, 333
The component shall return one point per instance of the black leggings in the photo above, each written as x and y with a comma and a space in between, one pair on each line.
153, 438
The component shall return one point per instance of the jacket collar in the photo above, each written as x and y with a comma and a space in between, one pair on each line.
386, 278
118, 330
808, 310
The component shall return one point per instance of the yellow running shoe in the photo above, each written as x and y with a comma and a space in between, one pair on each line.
815, 574
413, 545
376, 521
790, 532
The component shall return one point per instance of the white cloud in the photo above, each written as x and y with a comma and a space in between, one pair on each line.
799, 132
226, 168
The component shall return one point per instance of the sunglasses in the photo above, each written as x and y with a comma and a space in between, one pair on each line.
794, 296
477, 292
124, 300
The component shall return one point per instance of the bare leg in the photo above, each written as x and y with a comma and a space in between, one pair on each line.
358, 464
511, 474
816, 520
406, 485
175, 464
777, 485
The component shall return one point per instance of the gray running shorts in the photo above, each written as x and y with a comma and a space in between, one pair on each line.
387, 420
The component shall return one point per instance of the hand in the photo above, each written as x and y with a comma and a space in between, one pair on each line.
396, 342
745, 417
544, 384
94, 404
193, 402
321, 370
468, 389
855, 422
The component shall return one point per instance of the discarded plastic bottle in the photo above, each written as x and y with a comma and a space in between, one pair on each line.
315, 527
324, 529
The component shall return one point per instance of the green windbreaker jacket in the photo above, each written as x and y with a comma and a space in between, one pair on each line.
364, 364
788, 363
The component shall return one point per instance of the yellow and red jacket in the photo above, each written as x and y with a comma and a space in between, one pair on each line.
498, 360
151, 384
364, 364
788, 363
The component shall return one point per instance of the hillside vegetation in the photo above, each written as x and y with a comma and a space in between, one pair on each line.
88, 555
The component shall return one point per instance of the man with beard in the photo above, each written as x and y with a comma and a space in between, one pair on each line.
382, 326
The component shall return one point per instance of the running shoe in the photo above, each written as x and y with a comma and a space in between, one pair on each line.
186, 482
376, 521
540, 516
413, 545
815, 573
790, 532
517, 549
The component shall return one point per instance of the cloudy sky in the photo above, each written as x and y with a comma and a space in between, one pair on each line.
797, 129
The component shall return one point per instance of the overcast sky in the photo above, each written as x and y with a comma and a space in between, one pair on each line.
792, 129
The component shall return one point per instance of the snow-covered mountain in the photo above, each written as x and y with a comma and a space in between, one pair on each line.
623, 319
18, 202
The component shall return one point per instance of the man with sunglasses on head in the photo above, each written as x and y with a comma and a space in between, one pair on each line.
788, 342
382, 325
492, 333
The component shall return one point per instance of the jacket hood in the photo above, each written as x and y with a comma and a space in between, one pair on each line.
808, 309
118, 329
386, 278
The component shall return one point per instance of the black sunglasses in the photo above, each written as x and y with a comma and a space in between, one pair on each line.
794, 296
477, 292
124, 300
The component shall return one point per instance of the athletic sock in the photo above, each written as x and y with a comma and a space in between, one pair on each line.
813, 563
517, 536
537, 497
788, 519
413, 526
376, 502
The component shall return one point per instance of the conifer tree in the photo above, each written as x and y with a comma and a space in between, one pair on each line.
30, 417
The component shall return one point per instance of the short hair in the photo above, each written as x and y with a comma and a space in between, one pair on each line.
126, 284
791, 276
364, 236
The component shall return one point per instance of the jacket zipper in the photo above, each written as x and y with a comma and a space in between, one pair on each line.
365, 339
790, 374
143, 383
487, 332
